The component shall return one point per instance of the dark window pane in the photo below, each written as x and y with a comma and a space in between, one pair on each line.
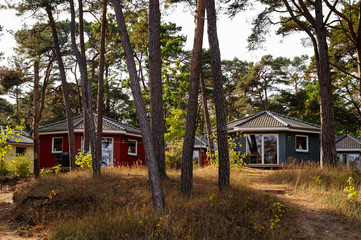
254, 149
301, 143
270, 149
20, 150
58, 144
132, 147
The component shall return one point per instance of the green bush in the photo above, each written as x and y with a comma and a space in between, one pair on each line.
173, 156
20, 165
84, 160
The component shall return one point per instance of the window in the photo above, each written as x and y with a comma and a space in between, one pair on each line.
20, 150
107, 152
57, 145
132, 147
301, 143
262, 149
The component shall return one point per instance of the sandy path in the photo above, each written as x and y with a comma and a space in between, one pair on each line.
9, 229
314, 220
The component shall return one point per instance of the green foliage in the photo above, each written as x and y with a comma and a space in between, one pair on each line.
84, 160
46, 171
8, 133
20, 165
350, 192
175, 125
173, 155
278, 210
236, 158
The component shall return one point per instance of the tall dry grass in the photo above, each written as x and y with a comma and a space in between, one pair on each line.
326, 185
118, 205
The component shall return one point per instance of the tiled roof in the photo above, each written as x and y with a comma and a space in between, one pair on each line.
23, 138
348, 142
271, 120
108, 125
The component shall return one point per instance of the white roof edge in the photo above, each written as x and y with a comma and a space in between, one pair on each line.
260, 129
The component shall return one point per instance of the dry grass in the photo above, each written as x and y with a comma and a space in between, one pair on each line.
119, 206
326, 185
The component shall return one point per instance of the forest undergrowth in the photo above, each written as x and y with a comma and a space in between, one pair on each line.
118, 205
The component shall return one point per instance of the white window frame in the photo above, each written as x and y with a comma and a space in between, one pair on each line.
136, 147
278, 148
307, 144
52, 145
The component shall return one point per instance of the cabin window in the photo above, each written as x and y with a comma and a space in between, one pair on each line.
132, 147
262, 149
20, 150
107, 152
57, 145
301, 143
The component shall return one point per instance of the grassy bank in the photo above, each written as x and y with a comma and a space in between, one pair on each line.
119, 206
326, 185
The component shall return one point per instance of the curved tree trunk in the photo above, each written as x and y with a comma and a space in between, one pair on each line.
69, 115
89, 125
220, 102
188, 144
153, 170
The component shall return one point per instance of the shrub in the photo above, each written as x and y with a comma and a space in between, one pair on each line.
173, 156
46, 171
84, 160
236, 158
21, 165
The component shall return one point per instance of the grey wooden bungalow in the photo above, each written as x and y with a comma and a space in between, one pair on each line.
269, 139
348, 149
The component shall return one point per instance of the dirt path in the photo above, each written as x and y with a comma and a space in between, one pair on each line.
9, 229
314, 220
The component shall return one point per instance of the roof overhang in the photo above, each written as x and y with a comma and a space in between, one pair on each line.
273, 129
348, 149
81, 131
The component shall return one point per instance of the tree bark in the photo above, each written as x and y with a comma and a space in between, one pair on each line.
152, 163
156, 88
89, 125
36, 120
328, 143
188, 144
219, 98
101, 81
69, 115
206, 116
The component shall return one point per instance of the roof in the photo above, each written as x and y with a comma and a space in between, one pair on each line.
270, 121
348, 142
200, 140
109, 125
23, 138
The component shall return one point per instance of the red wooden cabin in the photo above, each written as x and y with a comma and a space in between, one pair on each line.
122, 144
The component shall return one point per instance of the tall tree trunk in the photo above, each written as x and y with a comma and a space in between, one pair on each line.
69, 115
206, 116
196, 68
219, 97
156, 88
101, 80
36, 120
152, 163
45, 85
89, 125
328, 144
